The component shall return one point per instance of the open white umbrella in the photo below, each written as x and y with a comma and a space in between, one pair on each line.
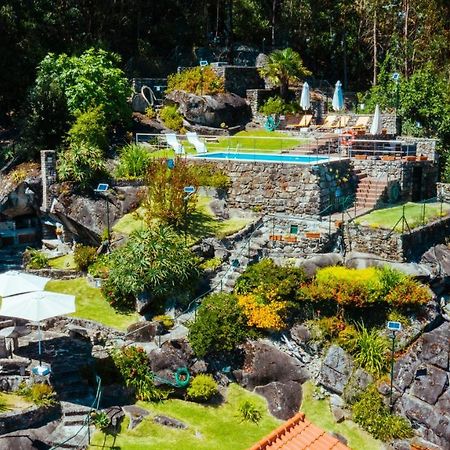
305, 101
14, 282
375, 128
338, 97
37, 306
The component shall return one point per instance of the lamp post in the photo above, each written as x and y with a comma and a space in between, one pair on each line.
398, 119
102, 189
188, 190
394, 327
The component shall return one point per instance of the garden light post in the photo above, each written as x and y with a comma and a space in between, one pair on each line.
394, 327
188, 190
102, 189
203, 64
398, 119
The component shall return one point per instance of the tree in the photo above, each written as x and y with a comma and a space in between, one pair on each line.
154, 261
284, 66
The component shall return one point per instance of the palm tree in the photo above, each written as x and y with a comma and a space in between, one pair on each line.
284, 66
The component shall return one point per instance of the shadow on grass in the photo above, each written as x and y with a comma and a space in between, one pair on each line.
201, 225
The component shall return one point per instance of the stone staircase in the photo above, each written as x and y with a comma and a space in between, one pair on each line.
370, 191
241, 254
72, 432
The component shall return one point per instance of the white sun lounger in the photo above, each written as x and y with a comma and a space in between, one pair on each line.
196, 142
172, 140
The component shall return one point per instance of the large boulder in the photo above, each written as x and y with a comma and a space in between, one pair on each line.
284, 399
336, 370
438, 257
211, 110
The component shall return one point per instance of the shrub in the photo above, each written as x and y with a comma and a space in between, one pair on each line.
3, 404
371, 413
150, 112
154, 260
267, 315
100, 420
371, 350
196, 80
328, 328
133, 365
408, 292
35, 259
81, 163
40, 394
219, 327
99, 268
248, 412
166, 321
207, 174
347, 338
84, 256
202, 388
276, 105
171, 117
211, 264
89, 128
134, 161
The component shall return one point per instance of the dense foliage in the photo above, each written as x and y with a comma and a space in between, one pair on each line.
89, 128
196, 80
133, 365
155, 262
134, 161
41, 394
202, 388
84, 256
171, 117
276, 105
371, 413
208, 174
220, 325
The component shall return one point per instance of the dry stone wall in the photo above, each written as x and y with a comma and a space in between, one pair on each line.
302, 190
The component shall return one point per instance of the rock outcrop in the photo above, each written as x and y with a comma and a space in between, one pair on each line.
211, 110
275, 375
336, 370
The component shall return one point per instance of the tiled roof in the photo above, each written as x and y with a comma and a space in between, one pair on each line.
299, 434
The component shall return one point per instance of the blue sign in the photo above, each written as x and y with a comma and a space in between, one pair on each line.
394, 326
396, 76
203, 63
102, 187
189, 189
170, 163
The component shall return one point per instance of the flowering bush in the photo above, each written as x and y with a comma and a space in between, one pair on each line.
202, 388
196, 80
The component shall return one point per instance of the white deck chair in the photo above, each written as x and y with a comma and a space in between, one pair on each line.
172, 140
196, 142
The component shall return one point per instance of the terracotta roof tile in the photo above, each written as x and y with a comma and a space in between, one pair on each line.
299, 434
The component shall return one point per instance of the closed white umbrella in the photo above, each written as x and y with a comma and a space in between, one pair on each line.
37, 306
305, 101
14, 282
338, 97
375, 128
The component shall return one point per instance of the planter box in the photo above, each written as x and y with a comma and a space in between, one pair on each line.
388, 158
422, 158
409, 158
290, 239
312, 235
276, 237
360, 156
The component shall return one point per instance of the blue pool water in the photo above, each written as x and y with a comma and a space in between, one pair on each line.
264, 157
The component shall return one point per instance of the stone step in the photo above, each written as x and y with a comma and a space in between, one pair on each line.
67, 437
74, 420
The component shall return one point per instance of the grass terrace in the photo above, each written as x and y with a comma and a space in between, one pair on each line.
90, 303
416, 214
209, 426
259, 141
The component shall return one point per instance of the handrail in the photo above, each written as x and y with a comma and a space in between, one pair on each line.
87, 420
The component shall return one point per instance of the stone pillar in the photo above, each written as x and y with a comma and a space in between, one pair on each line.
48, 173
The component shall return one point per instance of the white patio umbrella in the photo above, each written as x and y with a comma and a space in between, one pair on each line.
14, 282
37, 306
305, 101
338, 97
375, 128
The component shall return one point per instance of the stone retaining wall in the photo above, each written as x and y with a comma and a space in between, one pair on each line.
285, 188
424, 147
405, 173
238, 79
397, 246
33, 417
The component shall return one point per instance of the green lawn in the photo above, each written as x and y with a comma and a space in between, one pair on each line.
209, 427
12, 402
63, 262
260, 141
388, 217
318, 412
90, 303
202, 222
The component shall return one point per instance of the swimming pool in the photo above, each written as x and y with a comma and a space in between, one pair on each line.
263, 157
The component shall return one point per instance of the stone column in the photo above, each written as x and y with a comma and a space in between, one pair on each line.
48, 173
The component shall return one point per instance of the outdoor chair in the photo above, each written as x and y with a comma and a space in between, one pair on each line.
171, 139
328, 123
362, 123
304, 122
200, 146
341, 122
